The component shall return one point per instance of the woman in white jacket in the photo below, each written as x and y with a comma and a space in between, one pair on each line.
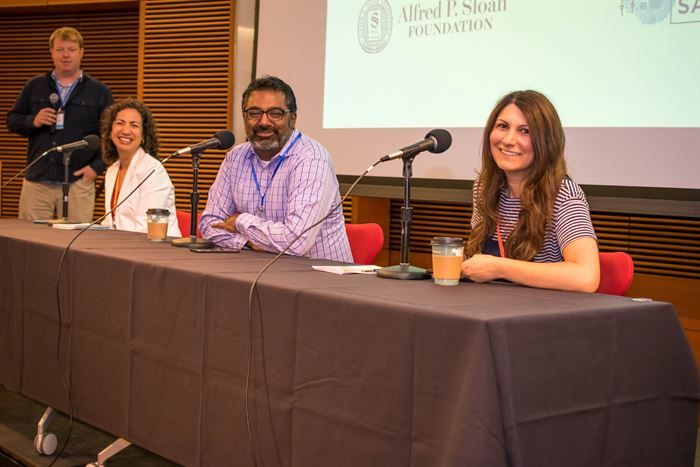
130, 149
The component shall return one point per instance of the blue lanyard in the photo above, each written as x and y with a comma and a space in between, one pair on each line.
280, 159
64, 92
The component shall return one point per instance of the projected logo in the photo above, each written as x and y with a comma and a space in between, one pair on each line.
648, 11
374, 25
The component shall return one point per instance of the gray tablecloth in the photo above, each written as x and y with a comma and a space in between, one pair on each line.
360, 371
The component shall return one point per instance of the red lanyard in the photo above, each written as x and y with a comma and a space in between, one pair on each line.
115, 193
500, 240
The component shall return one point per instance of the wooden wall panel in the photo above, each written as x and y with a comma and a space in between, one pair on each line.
175, 55
110, 56
665, 246
187, 81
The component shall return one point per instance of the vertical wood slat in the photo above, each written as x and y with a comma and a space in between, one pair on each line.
110, 56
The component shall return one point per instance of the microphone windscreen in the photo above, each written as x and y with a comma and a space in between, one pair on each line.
443, 140
93, 142
226, 139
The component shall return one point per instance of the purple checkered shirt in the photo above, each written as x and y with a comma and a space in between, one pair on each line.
301, 192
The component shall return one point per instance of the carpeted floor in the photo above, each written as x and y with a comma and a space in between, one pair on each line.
18, 424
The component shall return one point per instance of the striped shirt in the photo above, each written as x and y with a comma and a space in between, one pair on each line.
292, 193
571, 220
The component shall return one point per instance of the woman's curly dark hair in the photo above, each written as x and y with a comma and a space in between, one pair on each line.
149, 143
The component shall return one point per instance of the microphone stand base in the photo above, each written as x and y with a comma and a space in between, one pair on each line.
193, 242
403, 271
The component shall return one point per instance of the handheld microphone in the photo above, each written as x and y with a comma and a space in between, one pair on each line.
223, 139
436, 141
53, 98
91, 142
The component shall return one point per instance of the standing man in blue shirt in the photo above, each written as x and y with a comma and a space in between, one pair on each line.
56, 108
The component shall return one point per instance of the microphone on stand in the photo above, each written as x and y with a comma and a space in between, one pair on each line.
435, 141
223, 139
91, 142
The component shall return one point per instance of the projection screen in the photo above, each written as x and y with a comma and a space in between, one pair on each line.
373, 76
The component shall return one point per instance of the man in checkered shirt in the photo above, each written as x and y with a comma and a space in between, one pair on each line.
279, 183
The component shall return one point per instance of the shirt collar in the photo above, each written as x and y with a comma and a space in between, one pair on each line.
283, 149
55, 78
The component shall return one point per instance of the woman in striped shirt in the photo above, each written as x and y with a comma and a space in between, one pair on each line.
530, 223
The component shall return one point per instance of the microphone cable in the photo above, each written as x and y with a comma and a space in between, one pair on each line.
253, 290
66, 384
24, 169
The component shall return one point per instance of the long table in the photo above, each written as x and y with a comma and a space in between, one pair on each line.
360, 371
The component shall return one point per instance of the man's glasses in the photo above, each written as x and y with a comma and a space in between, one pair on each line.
274, 114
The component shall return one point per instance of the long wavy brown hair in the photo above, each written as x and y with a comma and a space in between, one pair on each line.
543, 180
149, 130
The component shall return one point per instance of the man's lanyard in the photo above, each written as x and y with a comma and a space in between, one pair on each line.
280, 160
66, 95
64, 92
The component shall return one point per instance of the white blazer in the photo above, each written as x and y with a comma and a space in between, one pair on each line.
156, 192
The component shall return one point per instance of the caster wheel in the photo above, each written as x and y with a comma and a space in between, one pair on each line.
45, 443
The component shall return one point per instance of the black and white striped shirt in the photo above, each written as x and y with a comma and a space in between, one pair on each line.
571, 220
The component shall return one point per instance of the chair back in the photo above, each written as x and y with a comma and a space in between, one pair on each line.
183, 223
366, 241
616, 273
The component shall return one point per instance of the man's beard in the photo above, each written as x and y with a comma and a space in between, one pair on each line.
268, 143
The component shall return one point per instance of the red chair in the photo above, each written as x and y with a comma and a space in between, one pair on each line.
183, 223
366, 241
616, 273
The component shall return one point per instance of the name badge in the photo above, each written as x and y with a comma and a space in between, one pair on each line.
60, 117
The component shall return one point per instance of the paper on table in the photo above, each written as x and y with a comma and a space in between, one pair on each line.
354, 269
81, 226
